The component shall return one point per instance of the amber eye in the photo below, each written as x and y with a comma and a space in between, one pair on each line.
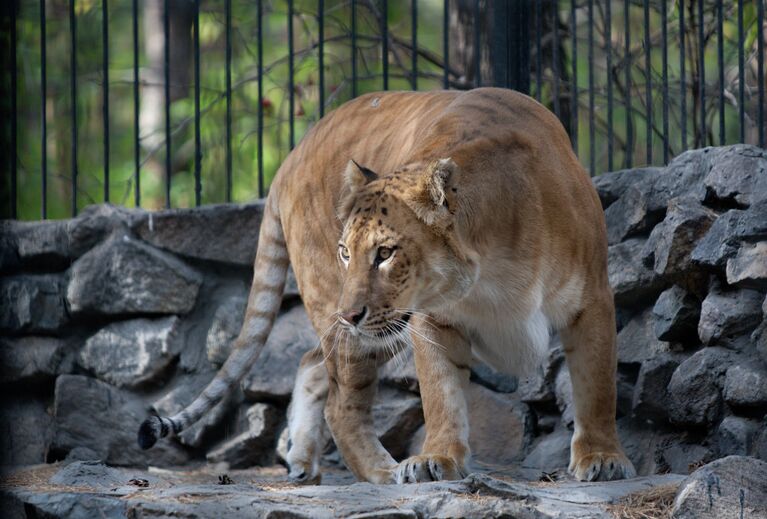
344, 252
384, 253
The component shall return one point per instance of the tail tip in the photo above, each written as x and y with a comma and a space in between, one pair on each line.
149, 432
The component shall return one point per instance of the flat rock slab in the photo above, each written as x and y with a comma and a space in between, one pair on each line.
87, 489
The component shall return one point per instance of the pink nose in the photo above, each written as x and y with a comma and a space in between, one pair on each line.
354, 317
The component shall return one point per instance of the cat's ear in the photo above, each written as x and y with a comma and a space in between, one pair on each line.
430, 198
355, 178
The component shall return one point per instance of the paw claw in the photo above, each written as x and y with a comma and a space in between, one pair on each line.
425, 468
602, 466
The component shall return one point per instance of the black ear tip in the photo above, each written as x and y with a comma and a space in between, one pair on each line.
149, 432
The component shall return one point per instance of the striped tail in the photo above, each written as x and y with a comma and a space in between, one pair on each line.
269, 275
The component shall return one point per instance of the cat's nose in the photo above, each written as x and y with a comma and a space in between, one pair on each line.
354, 317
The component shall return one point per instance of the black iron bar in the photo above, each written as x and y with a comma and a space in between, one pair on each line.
228, 94
166, 50
385, 42
291, 77
592, 134
260, 65
555, 57
608, 50
43, 114
14, 113
664, 51
197, 145
477, 49
701, 75
574, 88
628, 162
136, 109
648, 82
414, 49
105, 91
720, 62
682, 85
741, 74
73, 91
321, 51
760, 69
354, 47
446, 44
538, 53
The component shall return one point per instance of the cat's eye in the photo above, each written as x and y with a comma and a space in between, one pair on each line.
343, 251
384, 253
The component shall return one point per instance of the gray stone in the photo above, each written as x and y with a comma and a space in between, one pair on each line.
632, 282
400, 372
256, 445
738, 173
490, 413
735, 435
629, 215
196, 494
26, 430
32, 303
650, 401
725, 315
746, 386
644, 445
274, 374
682, 177
670, 243
759, 339
123, 276
39, 244
694, 390
612, 185
95, 224
495, 380
225, 328
684, 458
749, 266
732, 487
89, 413
676, 315
226, 233
33, 359
550, 452
397, 415
637, 341
563, 390
538, 387
760, 442
723, 238
132, 353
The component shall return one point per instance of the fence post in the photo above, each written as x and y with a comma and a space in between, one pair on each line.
511, 45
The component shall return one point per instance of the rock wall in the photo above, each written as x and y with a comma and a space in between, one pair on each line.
117, 312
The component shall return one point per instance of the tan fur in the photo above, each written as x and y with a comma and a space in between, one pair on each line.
499, 238
496, 238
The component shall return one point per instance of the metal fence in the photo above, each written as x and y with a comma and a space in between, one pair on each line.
634, 82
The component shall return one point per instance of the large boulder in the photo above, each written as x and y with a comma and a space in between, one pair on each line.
43, 244
274, 374
694, 391
726, 314
735, 435
637, 340
33, 359
124, 276
632, 282
676, 313
749, 266
650, 398
226, 233
225, 327
397, 415
132, 353
33, 303
738, 174
101, 421
612, 185
745, 385
668, 248
725, 235
732, 487
255, 445
26, 430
